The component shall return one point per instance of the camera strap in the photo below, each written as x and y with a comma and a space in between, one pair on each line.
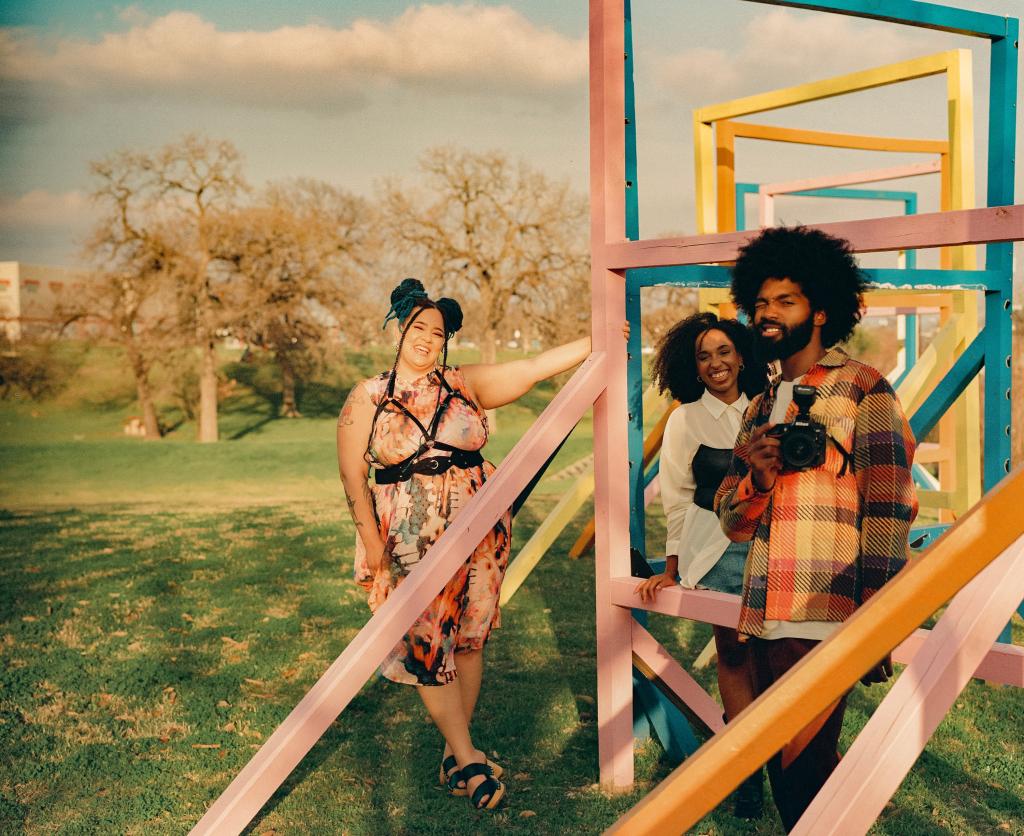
846, 454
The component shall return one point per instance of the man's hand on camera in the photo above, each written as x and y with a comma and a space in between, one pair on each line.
765, 458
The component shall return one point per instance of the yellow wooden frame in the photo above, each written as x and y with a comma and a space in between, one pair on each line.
715, 132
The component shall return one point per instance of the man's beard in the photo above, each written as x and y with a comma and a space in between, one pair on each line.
792, 340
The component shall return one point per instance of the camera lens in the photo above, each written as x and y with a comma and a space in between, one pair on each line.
798, 449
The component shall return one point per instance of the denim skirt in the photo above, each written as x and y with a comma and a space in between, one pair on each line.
727, 574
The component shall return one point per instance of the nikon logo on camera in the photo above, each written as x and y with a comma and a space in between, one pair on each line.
802, 441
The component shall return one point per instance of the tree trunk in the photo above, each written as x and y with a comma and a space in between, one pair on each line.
208, 393
289, 409
150, 424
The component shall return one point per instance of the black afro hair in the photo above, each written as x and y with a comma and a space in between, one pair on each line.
821, 264
675, 362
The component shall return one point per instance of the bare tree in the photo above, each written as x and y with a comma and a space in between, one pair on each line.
292, 272
132, 255
189, 181
492, 233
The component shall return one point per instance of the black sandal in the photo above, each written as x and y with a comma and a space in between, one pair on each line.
490, 788
451, 777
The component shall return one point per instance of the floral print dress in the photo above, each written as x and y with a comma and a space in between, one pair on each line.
412, 514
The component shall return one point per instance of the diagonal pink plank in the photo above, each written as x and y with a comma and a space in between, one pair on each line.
290, 742
935, 229
668, 670
888, 746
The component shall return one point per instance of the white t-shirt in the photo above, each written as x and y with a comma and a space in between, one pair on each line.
818, 630
694, 533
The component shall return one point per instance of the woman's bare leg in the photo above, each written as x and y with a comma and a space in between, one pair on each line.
444, 704
470, 666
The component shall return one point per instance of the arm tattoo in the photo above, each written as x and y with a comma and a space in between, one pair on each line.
352, 511
355, 398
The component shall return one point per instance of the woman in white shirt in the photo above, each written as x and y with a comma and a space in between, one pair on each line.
706, 364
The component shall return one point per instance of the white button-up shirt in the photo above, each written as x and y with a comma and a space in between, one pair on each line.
694, 533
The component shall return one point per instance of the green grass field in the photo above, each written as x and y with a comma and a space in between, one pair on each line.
164, 605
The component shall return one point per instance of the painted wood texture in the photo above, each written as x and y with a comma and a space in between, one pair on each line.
611, 472
290, 742
885, 750
767, 192
1003, 663
935, 229
660, 664
652, 444
812, 91
700, 784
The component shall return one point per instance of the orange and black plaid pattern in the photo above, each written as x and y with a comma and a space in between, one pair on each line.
825, 539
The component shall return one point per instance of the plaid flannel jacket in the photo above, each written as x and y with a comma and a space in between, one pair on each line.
827, 538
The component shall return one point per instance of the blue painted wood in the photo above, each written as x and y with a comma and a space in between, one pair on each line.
908, 199
634, 363
635, 401
662, 718
632, 189
923, 536
712, 275
1002, 127
949, 388
911, 12
652, 472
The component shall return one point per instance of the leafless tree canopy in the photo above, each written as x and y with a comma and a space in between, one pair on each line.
499, 236
293, 269
185, 255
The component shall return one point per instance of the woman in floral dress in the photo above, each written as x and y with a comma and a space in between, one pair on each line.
420, 426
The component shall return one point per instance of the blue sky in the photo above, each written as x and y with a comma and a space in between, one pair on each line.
354, 92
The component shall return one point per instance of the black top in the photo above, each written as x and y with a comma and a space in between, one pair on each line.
710, 464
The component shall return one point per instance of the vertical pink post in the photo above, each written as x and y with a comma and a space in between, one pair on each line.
611, 496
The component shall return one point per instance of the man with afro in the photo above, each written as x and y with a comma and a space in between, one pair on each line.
825, 536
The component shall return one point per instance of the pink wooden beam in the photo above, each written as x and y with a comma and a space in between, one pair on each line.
683, 685
903, 232
290, 742
611, 474
1003, 664
896, 734
698, 605
768, 191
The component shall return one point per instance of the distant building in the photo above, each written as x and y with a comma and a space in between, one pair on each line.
31, 296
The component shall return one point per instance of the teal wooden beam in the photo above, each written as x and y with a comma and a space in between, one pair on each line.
910, 13
952, 385
713, 275
908, 199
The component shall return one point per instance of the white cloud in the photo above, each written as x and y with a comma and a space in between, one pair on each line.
448, 47
779, 48
42, 209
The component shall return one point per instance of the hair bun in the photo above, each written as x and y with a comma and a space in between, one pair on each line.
403, 299
407, 288
451, 312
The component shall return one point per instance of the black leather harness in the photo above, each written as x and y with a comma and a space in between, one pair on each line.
422, 462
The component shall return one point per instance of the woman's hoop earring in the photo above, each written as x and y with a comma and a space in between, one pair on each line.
742, 367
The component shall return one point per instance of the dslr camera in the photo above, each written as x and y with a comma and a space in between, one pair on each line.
802, 441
